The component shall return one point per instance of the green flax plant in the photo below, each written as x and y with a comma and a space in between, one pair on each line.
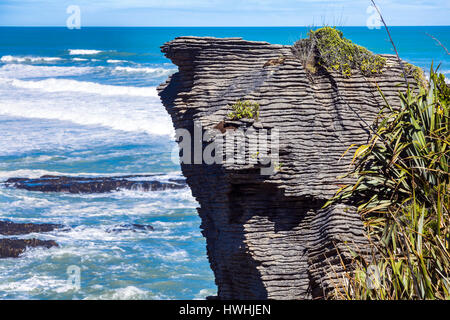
401, 189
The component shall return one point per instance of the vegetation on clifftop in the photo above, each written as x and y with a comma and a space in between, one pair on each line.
327, 47
417, 73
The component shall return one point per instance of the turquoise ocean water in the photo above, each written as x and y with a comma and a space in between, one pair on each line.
83, 102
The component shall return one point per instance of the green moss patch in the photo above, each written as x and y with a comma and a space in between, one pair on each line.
328, 48
417, 73
244, 109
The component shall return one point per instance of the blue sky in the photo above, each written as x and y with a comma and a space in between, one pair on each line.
222, 12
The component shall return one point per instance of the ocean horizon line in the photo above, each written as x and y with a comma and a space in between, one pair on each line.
305, 26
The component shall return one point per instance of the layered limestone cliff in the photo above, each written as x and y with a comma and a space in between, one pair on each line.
267, 235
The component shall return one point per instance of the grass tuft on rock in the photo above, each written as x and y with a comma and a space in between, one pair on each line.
417, 73
244, 109
327, 47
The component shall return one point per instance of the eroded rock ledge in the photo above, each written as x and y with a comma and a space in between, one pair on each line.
268, 236
49, 183
11, 228
13, 248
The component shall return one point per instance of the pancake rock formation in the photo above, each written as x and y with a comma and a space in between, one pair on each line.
267, 235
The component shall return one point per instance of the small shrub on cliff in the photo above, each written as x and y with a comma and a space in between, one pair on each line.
402, 190
244, 109
328, 48
417, 73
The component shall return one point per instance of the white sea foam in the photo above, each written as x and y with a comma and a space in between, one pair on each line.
26, 173
127, 293
174, 256
80, 59
158, 72
77, 52
205, 293
94, 233
132, 109
12, 59
36, 173
35, 283
20, 71
68, 85
117, 115
115, 61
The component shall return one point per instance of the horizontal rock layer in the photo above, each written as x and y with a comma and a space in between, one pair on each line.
268, 236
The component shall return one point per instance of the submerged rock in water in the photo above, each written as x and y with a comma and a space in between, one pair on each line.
12, 248
11, 228
130, 227
49, 183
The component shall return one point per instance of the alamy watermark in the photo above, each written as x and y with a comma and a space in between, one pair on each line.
255, 148
373, 279
74, 20
374, 19
74, 277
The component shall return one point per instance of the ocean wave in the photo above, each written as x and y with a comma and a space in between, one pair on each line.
105, 233
67, 85
115, 61
177, 255
127, 293
169, 225
36, 283
79, 52
205, 293
97, 233
37, 173
18, 71
124, 113
158, 72
9, 59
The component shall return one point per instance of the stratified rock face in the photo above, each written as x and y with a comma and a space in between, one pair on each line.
267, 235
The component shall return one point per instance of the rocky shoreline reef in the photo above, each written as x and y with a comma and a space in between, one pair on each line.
13, 247
268, 236
49, 183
